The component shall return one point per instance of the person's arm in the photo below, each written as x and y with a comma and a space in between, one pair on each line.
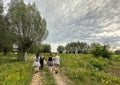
44, 61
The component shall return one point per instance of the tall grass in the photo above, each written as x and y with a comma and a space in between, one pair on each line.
88, 70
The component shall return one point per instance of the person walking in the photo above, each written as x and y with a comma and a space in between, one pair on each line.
50, 63
36, 63
57, 63
42, 61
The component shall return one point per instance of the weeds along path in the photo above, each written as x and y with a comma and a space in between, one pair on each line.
36, 80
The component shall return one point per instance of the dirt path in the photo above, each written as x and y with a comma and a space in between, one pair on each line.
36, 80
59, 80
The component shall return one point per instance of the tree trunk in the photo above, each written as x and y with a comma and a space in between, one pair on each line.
25, 56
5, 51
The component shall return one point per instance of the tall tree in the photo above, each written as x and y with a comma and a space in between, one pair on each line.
7, 35
28, 25
1, 7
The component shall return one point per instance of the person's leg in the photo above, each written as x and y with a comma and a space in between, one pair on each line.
42, 66
36, 69
56, 68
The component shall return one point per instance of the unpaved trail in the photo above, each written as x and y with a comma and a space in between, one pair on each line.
36, 80
61, 80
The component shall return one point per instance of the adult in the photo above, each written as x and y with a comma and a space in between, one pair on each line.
57, 63
36, 63
42, 60
50, 63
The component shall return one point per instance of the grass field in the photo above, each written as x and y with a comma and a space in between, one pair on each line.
80, 69
13, 72
87, 70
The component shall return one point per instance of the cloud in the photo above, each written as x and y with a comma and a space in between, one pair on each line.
83, 20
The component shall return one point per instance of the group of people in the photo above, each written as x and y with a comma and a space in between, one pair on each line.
53, 62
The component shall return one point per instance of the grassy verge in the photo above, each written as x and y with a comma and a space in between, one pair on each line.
13, 72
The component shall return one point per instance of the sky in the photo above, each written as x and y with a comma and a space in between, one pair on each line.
80, 20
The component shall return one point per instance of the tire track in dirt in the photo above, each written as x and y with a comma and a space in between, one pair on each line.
62, 80
36, 80
59, 80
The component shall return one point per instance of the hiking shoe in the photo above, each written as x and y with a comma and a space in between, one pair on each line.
56, 72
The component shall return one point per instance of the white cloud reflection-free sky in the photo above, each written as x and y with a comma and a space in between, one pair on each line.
81, 20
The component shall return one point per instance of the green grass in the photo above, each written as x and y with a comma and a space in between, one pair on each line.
80, 69
88, 70
13, 72
47, 78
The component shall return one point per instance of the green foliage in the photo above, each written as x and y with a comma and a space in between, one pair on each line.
1, 7
47, 78
44, 48
34, 48
40, 48
99, 50
117, 52
27, 23
88, 70
7, 36
60, 49
77, 47
13, 72
98, 63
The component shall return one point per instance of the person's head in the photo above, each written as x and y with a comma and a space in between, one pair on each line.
42, 56
50, 54
37, 55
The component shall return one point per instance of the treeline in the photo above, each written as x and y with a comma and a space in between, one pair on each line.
40, 48
96, 49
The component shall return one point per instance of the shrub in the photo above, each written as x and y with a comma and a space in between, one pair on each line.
99, 50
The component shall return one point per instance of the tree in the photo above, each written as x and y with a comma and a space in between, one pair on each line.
46, 48
96, 49
1, 7
34, 48
28, 25
117, 52
7, 36
99, 50
60, 49
82, 47
77, 47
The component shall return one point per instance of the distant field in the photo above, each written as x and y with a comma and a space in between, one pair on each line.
80, 69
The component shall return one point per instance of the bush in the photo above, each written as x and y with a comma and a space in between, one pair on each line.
98, 64
99, 50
